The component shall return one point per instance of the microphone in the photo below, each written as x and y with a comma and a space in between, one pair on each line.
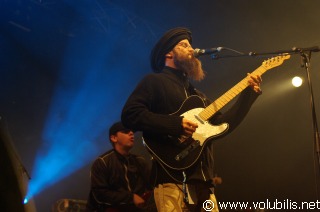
200, 52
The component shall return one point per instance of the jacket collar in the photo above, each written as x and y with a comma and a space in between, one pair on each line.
176, 73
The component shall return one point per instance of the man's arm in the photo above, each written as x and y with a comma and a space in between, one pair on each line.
137, 113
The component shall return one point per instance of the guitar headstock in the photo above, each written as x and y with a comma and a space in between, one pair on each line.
275, 61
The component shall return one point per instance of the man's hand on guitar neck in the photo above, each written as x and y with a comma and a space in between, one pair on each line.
254, 82
189, 127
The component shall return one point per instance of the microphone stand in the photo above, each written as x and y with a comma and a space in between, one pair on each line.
305, 54
305, 59
294, 50
215, 56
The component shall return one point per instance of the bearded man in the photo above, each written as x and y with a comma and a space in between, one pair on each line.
183, 170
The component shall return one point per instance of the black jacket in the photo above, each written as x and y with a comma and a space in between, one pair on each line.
114, 180
160, 94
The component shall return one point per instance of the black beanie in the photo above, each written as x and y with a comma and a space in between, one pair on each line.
116, 127
166, 44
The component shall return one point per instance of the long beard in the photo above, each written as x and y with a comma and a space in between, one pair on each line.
191, 66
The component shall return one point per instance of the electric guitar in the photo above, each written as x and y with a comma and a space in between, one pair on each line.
181, 153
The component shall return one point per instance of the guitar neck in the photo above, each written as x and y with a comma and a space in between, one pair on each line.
214, 107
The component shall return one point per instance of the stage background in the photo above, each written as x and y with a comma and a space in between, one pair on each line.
67, 68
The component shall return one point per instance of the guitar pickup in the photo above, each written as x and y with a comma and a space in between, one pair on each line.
187, 150
199, 119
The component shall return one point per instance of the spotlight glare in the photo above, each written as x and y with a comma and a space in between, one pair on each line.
296, 81
25, 201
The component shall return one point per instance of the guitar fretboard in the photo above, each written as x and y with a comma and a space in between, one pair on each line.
214, 107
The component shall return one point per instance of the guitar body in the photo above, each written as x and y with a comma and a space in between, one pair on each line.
180, 154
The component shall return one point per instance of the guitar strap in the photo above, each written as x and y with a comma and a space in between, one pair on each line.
184, 188
194, 91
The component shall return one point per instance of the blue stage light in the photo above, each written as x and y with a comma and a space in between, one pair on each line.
80, 112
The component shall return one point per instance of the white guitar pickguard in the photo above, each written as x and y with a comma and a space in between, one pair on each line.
205, 130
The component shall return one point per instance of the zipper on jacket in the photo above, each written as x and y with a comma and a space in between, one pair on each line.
204, 177
126, 177
185, 91
184, 84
